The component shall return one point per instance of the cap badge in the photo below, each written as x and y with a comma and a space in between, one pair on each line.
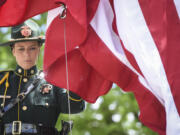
26, 31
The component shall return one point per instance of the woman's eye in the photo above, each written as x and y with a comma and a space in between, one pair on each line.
21, 49
33, 48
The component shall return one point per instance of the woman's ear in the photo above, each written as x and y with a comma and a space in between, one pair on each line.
13, 51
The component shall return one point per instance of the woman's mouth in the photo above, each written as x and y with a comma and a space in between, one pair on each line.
28, 61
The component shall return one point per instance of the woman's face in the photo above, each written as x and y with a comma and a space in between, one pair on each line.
26, 53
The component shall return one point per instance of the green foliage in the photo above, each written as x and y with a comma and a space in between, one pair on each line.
113, 114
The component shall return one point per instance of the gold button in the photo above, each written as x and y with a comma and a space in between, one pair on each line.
24, 108
2, 105
32, 71
25, 80
19, 70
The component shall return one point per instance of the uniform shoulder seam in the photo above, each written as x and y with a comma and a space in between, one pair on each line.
5, 71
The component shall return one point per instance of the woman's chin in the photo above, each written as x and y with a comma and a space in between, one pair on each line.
26, 67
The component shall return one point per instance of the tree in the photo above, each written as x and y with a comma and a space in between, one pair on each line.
113, 114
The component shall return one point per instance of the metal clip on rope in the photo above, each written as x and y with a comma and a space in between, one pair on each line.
63, 11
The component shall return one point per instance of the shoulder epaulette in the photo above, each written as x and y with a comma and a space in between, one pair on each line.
2, 80
72, 98
4, 74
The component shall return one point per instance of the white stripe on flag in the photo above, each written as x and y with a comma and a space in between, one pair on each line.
103, 19
177, 4
137, 39
52, 14
102, 25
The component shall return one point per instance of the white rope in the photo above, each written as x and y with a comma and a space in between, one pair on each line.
63, 16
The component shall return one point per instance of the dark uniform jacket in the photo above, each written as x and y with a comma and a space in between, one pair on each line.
37, 108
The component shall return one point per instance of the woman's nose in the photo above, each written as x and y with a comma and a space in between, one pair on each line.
27, 52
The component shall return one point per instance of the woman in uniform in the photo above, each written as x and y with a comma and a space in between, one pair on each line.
34, 112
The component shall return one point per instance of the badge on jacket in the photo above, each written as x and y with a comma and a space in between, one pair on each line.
45, 88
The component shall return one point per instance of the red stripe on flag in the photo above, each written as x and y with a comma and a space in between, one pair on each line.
14, 12
164, 25
55, 45
114, 26
105, 63
132, 60
76, 30
83, 79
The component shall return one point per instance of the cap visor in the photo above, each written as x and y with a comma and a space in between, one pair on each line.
41, 40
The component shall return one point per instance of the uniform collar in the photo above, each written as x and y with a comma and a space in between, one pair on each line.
32, 71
